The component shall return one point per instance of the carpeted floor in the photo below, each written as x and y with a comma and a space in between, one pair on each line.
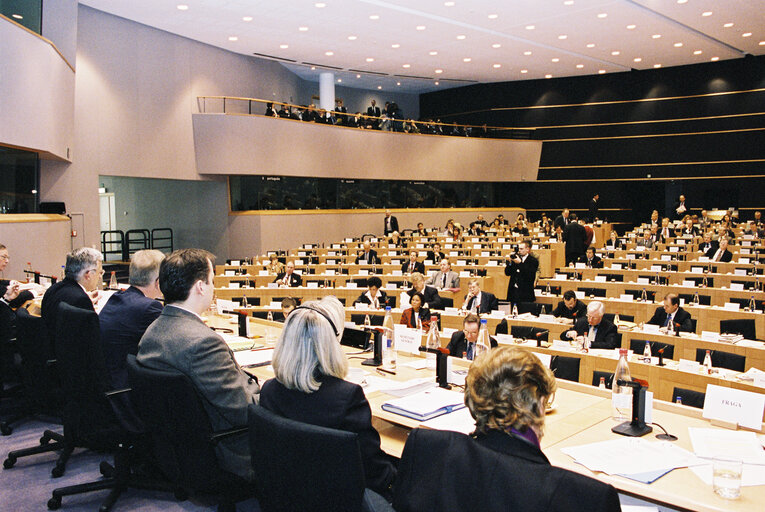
28, 485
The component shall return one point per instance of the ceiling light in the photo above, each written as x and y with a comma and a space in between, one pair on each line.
678, 45
432, 53
637, 59
524, 71
358, 76
548, 76
568, 2
556, 59
590, 45
329, 54
746, 34
436, 83
247, 18
320, 4
449, 4
379, 86
496, 45
313, 68
398, 83
374, 17
527, 53
656, 36
370, 59
728, 25
681, 1
697, 52
182, 7
497, 66
460, 37
562, 36
420, 27
339, 80
284, 46
17, 16
466, 59
303, 29
233, 38
395, 45
615, 52
657, 66
706, 13
579, 66
631, 27
439, 71
530, 27
762, 43
352, 38
493, 16
715, 59
601, 71
602, 15
406, 66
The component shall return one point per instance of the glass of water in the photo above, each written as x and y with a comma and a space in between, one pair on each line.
726, 478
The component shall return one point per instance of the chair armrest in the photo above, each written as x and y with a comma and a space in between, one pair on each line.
51, 362
217, 437
117, 392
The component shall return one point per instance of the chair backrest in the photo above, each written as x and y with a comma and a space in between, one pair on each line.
625, 318
529, 332
722, 359
358, 319
744, 326
529, 307
304, 467
41, 383
638, 346
704, 300
689, 397
447, 302
566, 368
608, 377
178, 425
501, 327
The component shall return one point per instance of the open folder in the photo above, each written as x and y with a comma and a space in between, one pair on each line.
426, 404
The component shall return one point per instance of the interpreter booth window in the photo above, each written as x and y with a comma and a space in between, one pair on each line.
24, 12
19, 181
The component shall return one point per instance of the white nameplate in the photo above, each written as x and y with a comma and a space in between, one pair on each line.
448, 246
374, 240
504, 339
331, 262
507, 246
407, 340
474, 240
580, 265
630, 256
616, 266
688, 365
396, 273
680, 241
263, 272
739, 287
348, 240
656, 268
422, 254
492, 263
420, 246
330, 272
477, 246
739, 272
391, 286
299, 262
689, 284
626, 297
745, 250
485, 254
666, 257
302, 253
498, 314
312, 284
579, 294
351, 285
229, 273
651, 329
710, 336
337, 246
451, 311
639, 248
561, 277
759, 380
732, 306
300, 272
272, 285
600, 279
395, 262
561, 345
534, 247
735, 405
454, 253
461, 262
275, 304
643, 280
546, 318
225, 305
465, 273
744, 261
697, 270
428, 262
674, 249
703, 259
363, 272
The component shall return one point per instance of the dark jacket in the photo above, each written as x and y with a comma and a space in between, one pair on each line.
67, 290
418, 267
681, 317
372, 260
520, 288
430, 293
488, 302
606, 335
458, 344
294, 279
575, 235
595, 263
579, 311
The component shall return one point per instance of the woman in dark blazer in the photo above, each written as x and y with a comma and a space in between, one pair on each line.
500, 467
310, 366
410, 315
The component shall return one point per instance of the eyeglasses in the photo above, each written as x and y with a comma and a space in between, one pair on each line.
5, 257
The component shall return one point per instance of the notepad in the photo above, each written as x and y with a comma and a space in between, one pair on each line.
251, 358
427, 404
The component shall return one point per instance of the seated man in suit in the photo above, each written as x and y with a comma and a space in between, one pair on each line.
429, 293
570, 307
13, 293
666, 233
421, 231
445, 278
708, 245
463, 342
367, 256
288, 304
477, 300
507, 394
128, 314
374, 296
289, 278
646, 242
672, 312
591, 259
79, 288
722, 253
412, 266
435, 255
180, 341
600, 332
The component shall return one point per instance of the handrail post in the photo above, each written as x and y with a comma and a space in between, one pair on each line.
224, 104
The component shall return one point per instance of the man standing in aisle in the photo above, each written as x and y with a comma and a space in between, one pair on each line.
575, 236
522, 269
391, 223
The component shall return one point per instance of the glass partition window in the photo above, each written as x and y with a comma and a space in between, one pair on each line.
24, 12
19, 179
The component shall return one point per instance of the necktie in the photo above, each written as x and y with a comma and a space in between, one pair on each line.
411, 267
669, 320
443, 285
470, 350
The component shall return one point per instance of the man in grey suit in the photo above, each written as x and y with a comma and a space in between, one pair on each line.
179, 340
444, 278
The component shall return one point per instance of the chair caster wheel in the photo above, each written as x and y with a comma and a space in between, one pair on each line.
54, 503
5, 429
9, 462
57, 472
44, 440
106, 469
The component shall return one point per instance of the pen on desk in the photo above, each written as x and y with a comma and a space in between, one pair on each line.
383, 370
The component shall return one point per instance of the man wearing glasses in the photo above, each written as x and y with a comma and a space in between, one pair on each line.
79, 288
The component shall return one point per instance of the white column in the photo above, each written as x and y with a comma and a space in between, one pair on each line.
327, 91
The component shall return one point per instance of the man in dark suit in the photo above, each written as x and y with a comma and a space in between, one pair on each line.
562, 220
570, 307
367, 256
722, 253
411, 266
374, 296
374, 111
462, 343
477, 300
600, 332
574, 235
665, 233
680, 209
180, 341
522, 269
593, 211
11, 290
429, 293
708, 245
671, 312
591, 259
435, 255
289, 277
79, 288
391, 223
128, 313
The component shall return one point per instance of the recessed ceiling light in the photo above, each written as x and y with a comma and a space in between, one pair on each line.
339, 80
728, 25
17, 16
284, 46
313, 68
706, 13
524, 71
568, 2
439, 71
681, 1
370, 59
466, 59
407, 66
601, 71
433, 53
420, 27
247, 18
631, 27
602, 15
715, 59
678, 45
562, 36
746, 34
656, 36
697, 52
398, 83
379, 86
358, 76
395, 45
530, 27
637, 59
303, 29
436, 83
320, 5
493, 16
657, 66
182, 7
548, 76
496, 45
762, 43
449, 4
579, 66
527, 53
233, 38
590, 45
555, 59
352, 38
497, 66
374, 17
615, 52
329, 54
460, 37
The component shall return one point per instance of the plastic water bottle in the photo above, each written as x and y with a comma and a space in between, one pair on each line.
433, 341
602, 384
63, 271
548, 291
483, 344
244, 301
113, 281
616, 320
752, 304
389, 347
644, 296
708, 362
515, 311
270, 316
621, 396
671, 328
367, 321
543, 311
647, 353
696, 299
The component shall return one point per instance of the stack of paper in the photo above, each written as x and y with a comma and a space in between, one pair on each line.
251, 358
426, 404
711, 443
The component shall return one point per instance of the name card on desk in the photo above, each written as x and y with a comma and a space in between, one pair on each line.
330, 272
397, 273
561, 345
454, 253
272, 285
561, 277
337, 246
534, 247
299, 262
229, 273
651, 329
225, 305
465, 273
600, 279
477, 246
710, 336
391, 286
507, 246
734, 405
680, 241
312, 284
745, 250
498, 314
579, 294
744, 261
450, 311
428, 262
626, 297
422, 254
461, 262
504, 339
656, 268
703, 259
331, 262
580, 265
363, 272
263, 272
351, 285
395, 262
738, 272
546, 318
738, 287
374, 240
474, 240
688, 365
731, 306
697, 270
348, 240
485, 254
301, 253
631, 256
420, 246
688, 283
643, 280
448, 246
492, 263
616, 266
639, 248
407, 340
666, 257
674, 249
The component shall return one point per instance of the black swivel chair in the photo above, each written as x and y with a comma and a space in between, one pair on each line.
624, 318
592, 292
358, 319
528, 332
287, 476
566, 368
743, 326
530, 307
182, 439
638, 346
651, 295
722, 359
608, 378
689, 397
704, 300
